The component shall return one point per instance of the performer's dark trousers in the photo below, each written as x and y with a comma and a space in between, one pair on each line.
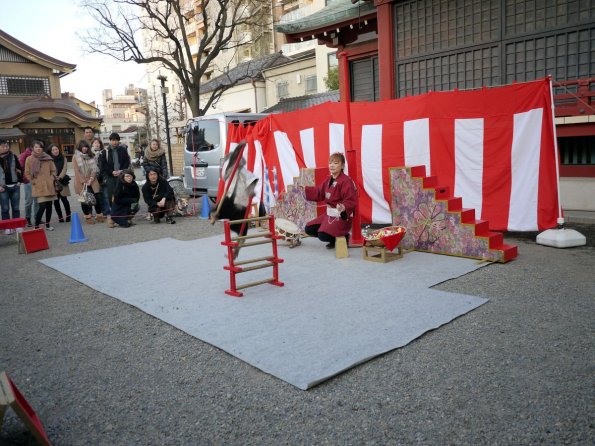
312, 230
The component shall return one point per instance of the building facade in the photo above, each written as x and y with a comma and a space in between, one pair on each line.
31, 102
393, 48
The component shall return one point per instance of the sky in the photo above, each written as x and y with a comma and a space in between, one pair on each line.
51, 26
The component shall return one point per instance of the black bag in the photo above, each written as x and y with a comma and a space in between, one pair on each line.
65, 180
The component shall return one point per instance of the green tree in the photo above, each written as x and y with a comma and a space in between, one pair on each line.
332, 79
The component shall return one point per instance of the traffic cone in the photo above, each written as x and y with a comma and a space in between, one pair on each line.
76, 230
205, 209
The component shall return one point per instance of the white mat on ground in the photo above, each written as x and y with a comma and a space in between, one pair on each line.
330, 316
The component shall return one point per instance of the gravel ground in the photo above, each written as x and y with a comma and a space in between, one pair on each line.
518, 370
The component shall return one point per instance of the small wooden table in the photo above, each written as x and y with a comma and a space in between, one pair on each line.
380, 254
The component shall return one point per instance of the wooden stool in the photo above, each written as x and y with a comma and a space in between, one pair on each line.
341, 248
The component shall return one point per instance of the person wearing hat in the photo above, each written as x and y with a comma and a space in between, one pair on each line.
159, 196
126, 195
112, 162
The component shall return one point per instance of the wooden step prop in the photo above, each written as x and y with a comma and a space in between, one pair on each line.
436, 221
341, 251
32, 241
10, 396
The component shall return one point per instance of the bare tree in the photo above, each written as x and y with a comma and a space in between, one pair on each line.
180, 108
157, 117
170, 34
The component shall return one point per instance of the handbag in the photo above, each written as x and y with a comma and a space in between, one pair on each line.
87, 197
57, 185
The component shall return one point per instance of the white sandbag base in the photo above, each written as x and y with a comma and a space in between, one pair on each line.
561, 238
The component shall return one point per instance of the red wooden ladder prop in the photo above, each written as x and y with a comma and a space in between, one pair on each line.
234, 243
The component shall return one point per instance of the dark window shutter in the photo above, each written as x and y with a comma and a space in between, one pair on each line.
364, 79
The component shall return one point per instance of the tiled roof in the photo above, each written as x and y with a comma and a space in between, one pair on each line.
301, 102
131, 129
245, 72
14, 132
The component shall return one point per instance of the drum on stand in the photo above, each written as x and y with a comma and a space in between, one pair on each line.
289, 231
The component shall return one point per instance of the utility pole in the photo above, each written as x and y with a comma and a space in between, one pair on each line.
163, 93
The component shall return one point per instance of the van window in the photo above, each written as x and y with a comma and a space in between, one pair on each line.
202, 136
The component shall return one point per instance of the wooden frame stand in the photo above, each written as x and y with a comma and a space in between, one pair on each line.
380, 254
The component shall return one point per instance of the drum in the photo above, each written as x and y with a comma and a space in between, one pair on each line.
289, 231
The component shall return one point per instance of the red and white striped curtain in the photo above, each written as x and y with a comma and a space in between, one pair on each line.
494, 147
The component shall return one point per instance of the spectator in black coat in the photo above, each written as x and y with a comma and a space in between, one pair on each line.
126, 196
112, 162
159, 197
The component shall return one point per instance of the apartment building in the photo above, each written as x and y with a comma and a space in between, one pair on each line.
124, 114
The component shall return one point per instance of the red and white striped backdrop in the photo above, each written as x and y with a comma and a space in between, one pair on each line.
494, 147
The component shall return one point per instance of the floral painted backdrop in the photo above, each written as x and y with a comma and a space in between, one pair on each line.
292, 204
430, 227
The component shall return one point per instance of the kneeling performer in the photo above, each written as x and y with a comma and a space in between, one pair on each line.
339, 193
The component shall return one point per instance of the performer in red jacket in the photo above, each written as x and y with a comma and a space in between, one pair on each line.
339, 194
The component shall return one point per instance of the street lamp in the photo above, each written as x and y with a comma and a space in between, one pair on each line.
163, 93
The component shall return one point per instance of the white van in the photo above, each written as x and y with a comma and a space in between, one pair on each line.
206, 138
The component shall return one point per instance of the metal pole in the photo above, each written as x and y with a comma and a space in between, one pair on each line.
163, 91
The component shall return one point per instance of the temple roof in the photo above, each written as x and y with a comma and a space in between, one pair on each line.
47, 107
335, 13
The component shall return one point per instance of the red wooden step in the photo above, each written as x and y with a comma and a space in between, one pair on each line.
482, 227
455, 204
418, 171
496, 240
468, 216
430, 182
510, 252
442, 193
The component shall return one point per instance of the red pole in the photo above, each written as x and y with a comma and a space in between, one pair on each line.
233, 291
356, 228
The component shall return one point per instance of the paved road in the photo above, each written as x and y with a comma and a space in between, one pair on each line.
518, 370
